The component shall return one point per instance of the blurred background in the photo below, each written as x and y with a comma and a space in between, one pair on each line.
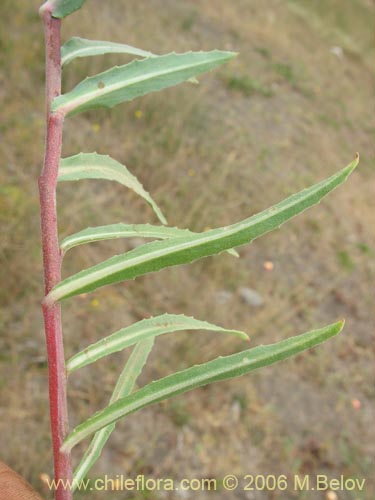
292, 109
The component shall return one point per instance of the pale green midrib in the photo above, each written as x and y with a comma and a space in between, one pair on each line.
126, 381
77, 53
123, 176
149, 398
72, 241
68, 170
102, 45
119, 342
123, 387
70, 106
82, 237
111, 343
101, 273
96, 447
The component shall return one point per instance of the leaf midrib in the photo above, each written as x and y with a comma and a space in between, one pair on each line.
89, 354
128, 336
100, 44
82, 237
67, 170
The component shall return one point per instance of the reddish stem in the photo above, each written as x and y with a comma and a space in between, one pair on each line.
52, 256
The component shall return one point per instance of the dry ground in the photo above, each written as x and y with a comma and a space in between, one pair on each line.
293, 108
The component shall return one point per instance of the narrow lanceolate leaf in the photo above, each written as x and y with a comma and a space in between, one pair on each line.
62, 8
124, 83
81, 47
160, 254
219, 369
113, 231
124, 387
95, 166
147, 328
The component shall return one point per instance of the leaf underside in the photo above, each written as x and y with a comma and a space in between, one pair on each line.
161, 254
95, 166
140, 77
219, 369
142, 330
114, 231
124, 387
82, 47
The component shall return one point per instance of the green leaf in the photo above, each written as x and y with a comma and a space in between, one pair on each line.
219, 369
160, 254
142, 330
113, 231
62, 8
95, 166
124, 83
124, 387
82, 47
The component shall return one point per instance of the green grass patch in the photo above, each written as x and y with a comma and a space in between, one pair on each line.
247, 86
286, 71
328, 120
345, 260
366, 249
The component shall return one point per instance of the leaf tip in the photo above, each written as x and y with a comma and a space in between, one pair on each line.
241, 335
351, 167
356, 160
230, 54
340, 325
158, 212
337, 327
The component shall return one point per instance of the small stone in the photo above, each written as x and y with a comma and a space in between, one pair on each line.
236, 411
223, 296
251, 297
337, 51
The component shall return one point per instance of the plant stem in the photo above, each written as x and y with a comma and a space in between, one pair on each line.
52, 256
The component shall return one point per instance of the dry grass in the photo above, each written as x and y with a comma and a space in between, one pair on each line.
210, 155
